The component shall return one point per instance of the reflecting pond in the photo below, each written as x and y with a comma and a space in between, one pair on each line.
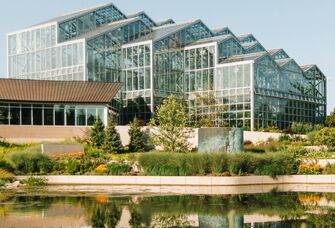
274, 209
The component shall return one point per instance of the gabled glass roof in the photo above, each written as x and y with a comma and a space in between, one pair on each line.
282, 62
222, 31
165, 22
251, 45
161, 32
144, 17
278, 54
212, 39
245, 57
78, 13
108, 27
313, 67
246, 38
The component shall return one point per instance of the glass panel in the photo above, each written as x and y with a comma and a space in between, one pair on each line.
91, 116
70, 116
26, 115
48, 116
4, 111
59, 115
37, 115
81, 117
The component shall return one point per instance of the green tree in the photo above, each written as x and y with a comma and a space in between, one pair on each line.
97, 135
326, 136
330, 121
112, 143
136, 136
170, 131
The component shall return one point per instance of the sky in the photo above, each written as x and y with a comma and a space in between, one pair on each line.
305, 29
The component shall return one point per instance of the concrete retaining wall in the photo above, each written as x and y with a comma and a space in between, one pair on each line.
187, 180
60, 133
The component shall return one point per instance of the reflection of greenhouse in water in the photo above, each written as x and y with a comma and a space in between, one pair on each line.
250, 211
252, 87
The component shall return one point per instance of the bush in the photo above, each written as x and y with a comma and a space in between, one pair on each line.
34, 182
28, 162
6, 166
285, 138
118, 168
5, 175
309, 169
72, 166
326, 136
329, 169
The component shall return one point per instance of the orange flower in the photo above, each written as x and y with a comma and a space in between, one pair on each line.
101, 168
102, 199
309, 198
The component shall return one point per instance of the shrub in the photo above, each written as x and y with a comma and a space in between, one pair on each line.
136, 143
94, 152
6, 166
301, 128
97, 135
72, 166
118, 168
34, 182
284, 138
326, 136
5, 175
112, 143
28, 162
329, 169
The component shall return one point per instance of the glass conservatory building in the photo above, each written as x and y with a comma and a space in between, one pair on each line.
230, 80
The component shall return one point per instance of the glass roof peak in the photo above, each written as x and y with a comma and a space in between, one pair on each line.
106, 28
77, 13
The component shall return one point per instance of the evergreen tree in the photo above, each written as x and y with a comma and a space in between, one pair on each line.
97, 134
112, 143
136, 136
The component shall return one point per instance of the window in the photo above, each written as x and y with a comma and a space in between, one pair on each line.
70, 116
26, 115
59, 115
81, 117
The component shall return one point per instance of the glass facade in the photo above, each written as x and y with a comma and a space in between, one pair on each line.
35, 54
232, 80
50, 114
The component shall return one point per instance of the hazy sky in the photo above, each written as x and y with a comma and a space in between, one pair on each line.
305, 29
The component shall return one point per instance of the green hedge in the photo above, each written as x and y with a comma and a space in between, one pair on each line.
192, 164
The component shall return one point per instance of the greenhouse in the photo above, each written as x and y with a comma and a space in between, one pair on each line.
230, 80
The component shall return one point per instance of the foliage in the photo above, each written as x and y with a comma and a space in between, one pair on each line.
5, 175
95, 152
300, 152
170, 120
97, 135
330, 121
112, 143
190, 164
271, 145
136, 143
118, 168
29, 162
329, 169
326, 136
6, 166
34, 181
301, 128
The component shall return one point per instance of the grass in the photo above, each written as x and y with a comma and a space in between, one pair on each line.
195, 164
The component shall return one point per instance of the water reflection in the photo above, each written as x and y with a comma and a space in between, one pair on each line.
260, 210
